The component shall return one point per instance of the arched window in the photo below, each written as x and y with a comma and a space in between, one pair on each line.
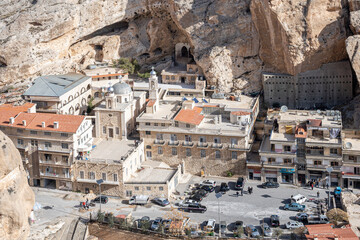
77, 107
83, 102
82, 90
71, 110
70, 98
76, 95
88, 87
148, 147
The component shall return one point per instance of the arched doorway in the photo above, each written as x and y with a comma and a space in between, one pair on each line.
184, 52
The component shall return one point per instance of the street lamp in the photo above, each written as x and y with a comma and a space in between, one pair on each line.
99, 182
218, 196
329, 170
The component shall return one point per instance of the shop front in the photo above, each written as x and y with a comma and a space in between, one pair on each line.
315, 175
271, 175
351, 181
254, 173
334, 180
287, 175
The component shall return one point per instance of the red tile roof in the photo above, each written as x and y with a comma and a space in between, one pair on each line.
240, 113
327, 232
315, 122
151, 103
10, 107
67, 123
191, 116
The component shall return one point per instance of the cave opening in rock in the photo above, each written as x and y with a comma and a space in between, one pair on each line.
114, 28
158, 51
184, 52
2, 62
99, 55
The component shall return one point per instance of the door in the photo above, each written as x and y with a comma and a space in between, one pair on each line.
183, 79
111, 132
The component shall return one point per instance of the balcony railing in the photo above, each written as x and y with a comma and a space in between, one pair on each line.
188, 144
217, 145
86, 180
51, 149
173, 143
51, 162
323, 167
159, 142
54, 175
279, 164
202, 144
236, 147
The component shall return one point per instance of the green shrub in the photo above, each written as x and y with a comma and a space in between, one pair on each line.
229, 174
100, 217
111, 220
144, 75
126, 65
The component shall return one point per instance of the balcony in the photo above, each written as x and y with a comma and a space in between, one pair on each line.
159, 142
187, 144
253, 163
25, 147
85, 180
217, 145
202, 145
279, 164
351, 175
321, 167
54, 175
351, 163
54, 163
173, 143
237, 147
52, 149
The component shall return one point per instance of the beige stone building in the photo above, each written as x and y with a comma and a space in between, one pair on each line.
48, 144
61, 94
350, 168
211, 135
299, 148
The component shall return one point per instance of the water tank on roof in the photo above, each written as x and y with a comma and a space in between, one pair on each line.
284, 108
218, 96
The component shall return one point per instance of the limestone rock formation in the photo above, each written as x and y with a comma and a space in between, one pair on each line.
16, 197
297, 36
233, 41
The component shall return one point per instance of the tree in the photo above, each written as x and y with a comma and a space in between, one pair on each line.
126, 65
90, 105
277, 233
100, 217
144, 75
111, 219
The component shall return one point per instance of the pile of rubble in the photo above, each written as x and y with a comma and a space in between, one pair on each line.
351, 204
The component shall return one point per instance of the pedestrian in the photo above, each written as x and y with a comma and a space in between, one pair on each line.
249, 190
32, 217
327, 186
323, 185
318, 194
312, 186
237, 194
241, 190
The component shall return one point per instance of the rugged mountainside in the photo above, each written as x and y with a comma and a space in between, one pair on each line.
233, 41
16, 197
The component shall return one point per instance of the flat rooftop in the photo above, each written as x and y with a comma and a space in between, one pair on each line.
153, 172
165, 111
141, 85
111, 151
355, 144
282, 137
328, 118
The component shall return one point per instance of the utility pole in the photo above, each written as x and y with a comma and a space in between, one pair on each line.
329, 170
99, 182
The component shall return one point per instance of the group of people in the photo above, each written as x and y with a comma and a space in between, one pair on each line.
85, 205
250, 191
316, 183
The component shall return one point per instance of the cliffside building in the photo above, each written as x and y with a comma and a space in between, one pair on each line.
326, 87
351, 159
60, 94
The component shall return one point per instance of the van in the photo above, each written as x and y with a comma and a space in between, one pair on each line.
298, 199
210, 225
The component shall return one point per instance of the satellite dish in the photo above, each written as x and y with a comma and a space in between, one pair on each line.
348, 145
284, 108
318, 111
243, 123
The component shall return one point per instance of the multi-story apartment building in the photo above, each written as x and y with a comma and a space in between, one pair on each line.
351, 159
210, 135
61, 94
300, 146
48, 144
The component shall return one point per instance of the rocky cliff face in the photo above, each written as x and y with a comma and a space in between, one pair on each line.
233, 41
16, 197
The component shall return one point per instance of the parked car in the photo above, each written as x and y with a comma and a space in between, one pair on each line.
194, 208
317, 219
209, 183
201, 192
266, 230
139, 200
210, 225
294, 224
196, 197
207, 188
186, 202
143, 221
238, 224
252, 231
104, 199
239, 183
294, 207
274, 219
224, 187
156, 224
223, 227
270, 185
301, 217
161, 201
166, 223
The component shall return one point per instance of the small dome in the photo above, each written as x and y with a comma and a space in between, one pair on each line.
122, 88
152, 71
110, 89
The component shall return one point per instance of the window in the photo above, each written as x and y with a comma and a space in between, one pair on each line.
287, 161
65, 159
217, 154
104, 130
33, 132
148, 154
117, 130
82, 174
174, 151
148, 147
233, 155
161, 188
333, 151
148, 188
147, 124
234, 141
103, 175
176, 124
163, 124
136, 188
352, 158
47, 144
156, 124
317, 162
188, 138
271, 160
91, 175
202, 139
167, 77
203, 153
188, 152
173, 137
187, 125
217, 140
128, 193
20, 141
20, 130
160, 150
64, 135
159, 136
287, 148
64, 145
47, 133
115, 177
148, 132
334, 164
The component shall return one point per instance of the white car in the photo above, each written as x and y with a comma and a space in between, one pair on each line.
211, 183
186, 202
294, 224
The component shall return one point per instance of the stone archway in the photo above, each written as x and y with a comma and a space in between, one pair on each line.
184, 52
